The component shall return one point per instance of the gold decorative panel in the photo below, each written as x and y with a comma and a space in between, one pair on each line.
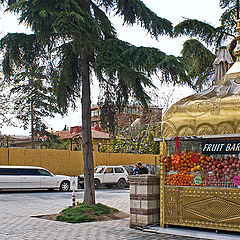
205, 129
171, 204
217, 208
214, 209
225, 128
185, 131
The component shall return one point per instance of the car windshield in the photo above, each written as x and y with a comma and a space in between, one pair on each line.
98, 169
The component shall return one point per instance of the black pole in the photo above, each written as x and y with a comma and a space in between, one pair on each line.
8, 150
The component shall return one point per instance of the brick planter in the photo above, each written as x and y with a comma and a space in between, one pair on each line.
144, 200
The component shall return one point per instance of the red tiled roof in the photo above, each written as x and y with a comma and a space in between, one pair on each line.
66, 134
95, 134
98, 134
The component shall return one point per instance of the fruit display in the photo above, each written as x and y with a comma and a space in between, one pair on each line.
183, 168
221, 171
166, 160
184, 162
182, 179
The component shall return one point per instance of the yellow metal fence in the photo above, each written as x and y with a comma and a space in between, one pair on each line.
67, 162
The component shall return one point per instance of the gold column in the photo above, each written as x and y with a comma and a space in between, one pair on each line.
162, 182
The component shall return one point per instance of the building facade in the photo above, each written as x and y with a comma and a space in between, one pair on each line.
129, 115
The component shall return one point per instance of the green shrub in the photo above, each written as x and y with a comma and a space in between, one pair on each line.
84, 212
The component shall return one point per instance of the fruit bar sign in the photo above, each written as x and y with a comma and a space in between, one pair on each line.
221, 147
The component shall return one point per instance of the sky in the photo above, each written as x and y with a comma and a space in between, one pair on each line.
173, 10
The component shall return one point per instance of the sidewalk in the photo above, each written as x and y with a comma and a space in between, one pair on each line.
193, 232
17, 221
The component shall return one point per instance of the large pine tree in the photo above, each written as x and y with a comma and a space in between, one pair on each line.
26, 80
79, 39
197, 53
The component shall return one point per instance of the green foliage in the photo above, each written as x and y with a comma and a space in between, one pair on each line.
124, 69
52, 141
135, 11
6, 141
108, 116
31, 95
66, 77
195, 28
198, 61
84, 212
5, 107
18, 49
142, 142
68, 27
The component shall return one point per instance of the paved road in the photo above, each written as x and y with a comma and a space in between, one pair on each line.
18, 208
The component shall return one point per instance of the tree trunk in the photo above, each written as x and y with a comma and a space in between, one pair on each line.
32, 128
237, 9
89, 190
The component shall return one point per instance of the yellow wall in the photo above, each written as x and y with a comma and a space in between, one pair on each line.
67, 162
3, 156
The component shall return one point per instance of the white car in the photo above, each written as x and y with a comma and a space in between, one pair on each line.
108, 176
25, 177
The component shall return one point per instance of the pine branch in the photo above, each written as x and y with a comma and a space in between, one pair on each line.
135, 11
195, 28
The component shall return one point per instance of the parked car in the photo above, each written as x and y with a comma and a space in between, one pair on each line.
26, 177
108, 176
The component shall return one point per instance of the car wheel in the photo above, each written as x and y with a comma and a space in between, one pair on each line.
121, 183
64, 186
97, 183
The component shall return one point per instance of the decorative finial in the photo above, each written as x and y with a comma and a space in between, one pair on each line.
237, 48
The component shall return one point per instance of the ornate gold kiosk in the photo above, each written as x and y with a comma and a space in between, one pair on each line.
215, 112
215, 208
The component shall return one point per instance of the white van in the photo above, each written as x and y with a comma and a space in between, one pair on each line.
25, 177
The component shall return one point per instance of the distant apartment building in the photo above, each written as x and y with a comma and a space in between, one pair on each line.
129, 115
